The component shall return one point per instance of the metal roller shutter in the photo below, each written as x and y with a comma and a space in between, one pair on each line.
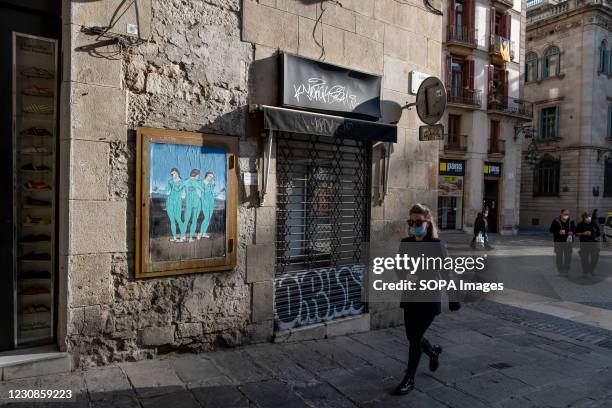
322, 224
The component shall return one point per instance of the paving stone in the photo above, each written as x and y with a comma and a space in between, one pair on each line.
108, 384
220, 397
152, 377
338, 355
272, 358
238, 366
182, 399
272, 394
324, 396
198, 371
361, 390
492, 386
535, 375
369, 354
307, 357
453, 398
554, 396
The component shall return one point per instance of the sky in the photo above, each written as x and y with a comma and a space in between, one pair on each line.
185, 158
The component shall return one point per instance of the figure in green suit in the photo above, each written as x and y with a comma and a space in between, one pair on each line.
208, 202
193, 203
174, 190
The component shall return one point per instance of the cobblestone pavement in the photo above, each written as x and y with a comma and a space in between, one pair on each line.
487, 362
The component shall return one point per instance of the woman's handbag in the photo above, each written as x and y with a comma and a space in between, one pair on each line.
480, 239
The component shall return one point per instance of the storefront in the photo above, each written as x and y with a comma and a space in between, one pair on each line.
491, 197
323, 166
29, 84
450, 193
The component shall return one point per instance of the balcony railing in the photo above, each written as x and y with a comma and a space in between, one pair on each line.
506, 3
463, 35
497, 146
495, 45
511, 106
465, 96
455, 143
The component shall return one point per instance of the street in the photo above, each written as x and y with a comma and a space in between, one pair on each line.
486, 362
520, 349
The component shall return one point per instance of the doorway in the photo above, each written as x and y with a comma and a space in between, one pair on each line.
491, 202
29, 84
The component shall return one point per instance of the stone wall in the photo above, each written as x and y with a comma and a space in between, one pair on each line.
191, 74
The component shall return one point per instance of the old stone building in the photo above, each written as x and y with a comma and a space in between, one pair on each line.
480, 159
567, 74
210, 67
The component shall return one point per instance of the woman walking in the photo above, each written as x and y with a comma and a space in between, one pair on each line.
419, 315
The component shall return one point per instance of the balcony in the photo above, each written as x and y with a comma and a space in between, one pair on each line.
455, 143
516, 108
461, 40
505, 4
495, 42
497, 147
467, 98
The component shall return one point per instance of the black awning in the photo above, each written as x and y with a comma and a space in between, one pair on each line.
290, 120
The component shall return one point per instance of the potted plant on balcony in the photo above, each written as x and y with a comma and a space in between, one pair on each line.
495, 102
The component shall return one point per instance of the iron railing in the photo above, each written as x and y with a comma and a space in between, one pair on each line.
464, 96
495, 42
463, 35
515, 107
455, 143
497, 146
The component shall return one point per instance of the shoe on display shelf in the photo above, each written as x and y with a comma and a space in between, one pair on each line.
35, 90
33, 238
35, 149
36, 185
37, 220
37, 203
34, 72
35, 167
34, 131
39, 108
35, 256
35, 275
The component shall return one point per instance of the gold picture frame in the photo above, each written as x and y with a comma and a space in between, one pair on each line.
186, 202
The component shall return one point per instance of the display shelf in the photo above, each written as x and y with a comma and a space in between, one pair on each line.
34, 128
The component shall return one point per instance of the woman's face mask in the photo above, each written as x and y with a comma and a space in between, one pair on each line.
564, 217
587, 220
419, 231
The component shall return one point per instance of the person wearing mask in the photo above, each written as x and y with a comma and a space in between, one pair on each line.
589, 234
562, 229
418, 315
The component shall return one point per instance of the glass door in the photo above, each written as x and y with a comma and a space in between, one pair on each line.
34, 143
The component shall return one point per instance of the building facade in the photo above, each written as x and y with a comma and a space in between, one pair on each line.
567, 74
480, 158
100, 74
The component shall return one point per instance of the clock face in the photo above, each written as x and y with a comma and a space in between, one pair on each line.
431, 100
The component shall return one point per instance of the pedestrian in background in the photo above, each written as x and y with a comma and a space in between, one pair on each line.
479, 227
589, 234
595, 216
418, 315
563, 229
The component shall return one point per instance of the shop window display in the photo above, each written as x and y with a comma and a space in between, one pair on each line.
34, 140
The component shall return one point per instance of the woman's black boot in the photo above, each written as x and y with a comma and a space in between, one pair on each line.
433, 352
406, 385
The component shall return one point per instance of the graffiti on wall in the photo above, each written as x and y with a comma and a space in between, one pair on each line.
317, 295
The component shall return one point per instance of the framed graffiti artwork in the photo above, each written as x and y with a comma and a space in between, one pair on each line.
186, 202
